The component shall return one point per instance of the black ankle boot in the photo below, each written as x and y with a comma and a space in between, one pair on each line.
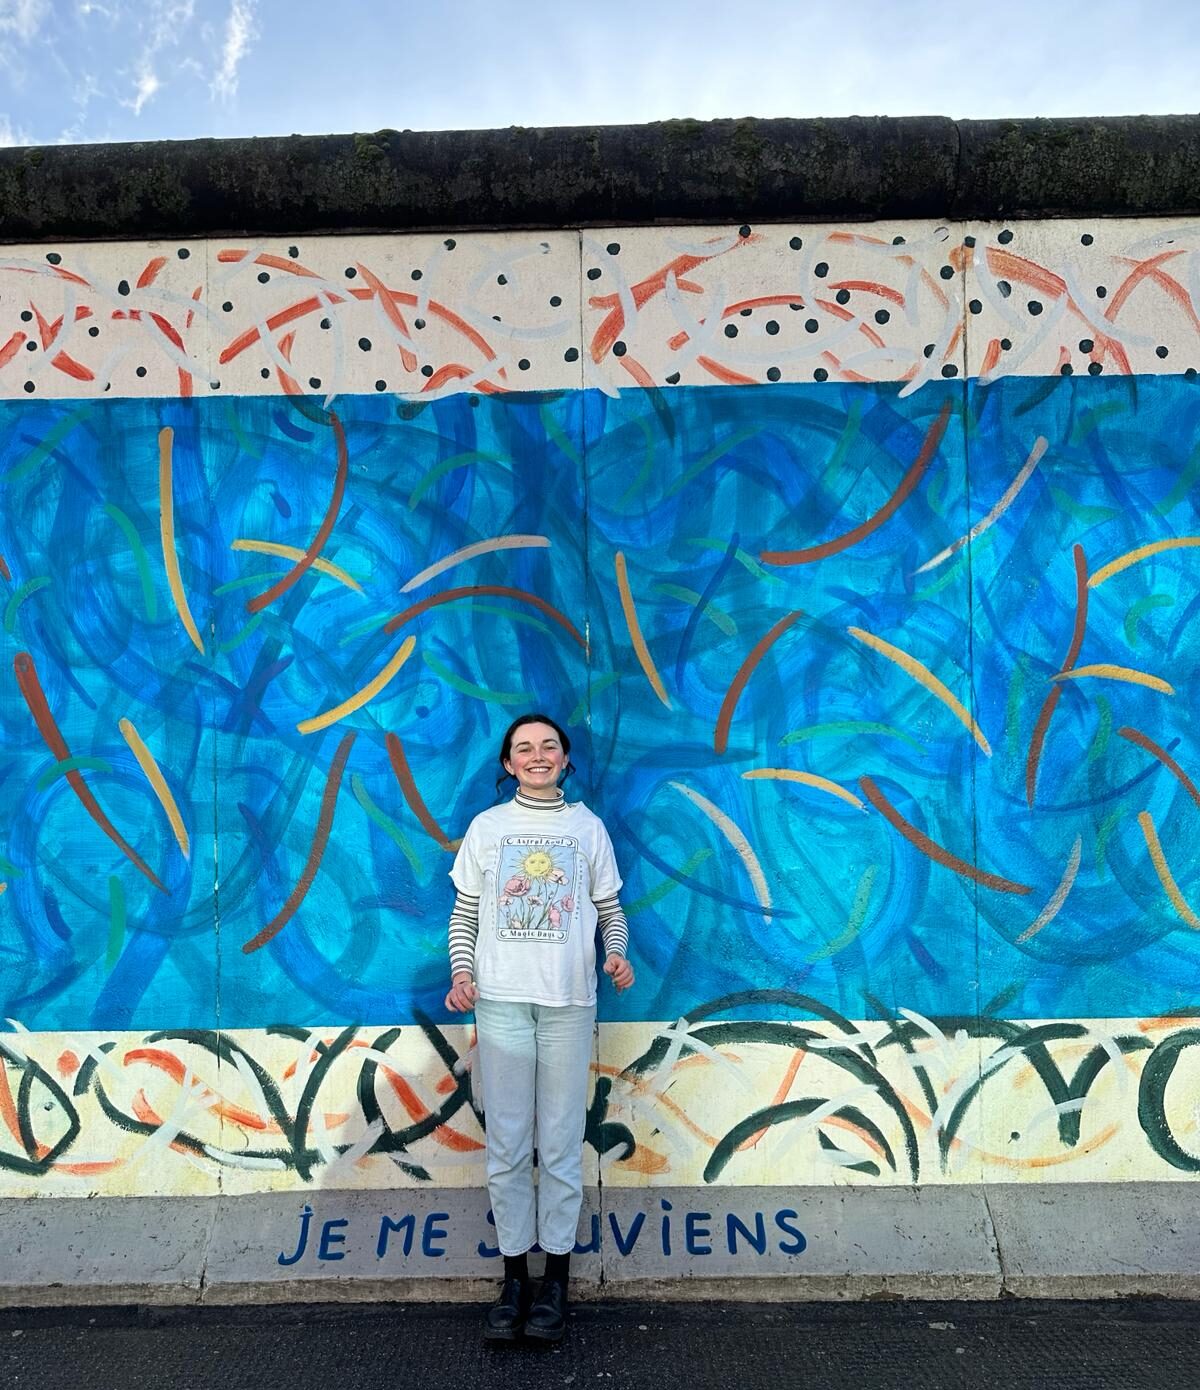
547, 1317
506, 1317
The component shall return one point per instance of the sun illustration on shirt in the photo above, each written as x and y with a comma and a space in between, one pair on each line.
537, 864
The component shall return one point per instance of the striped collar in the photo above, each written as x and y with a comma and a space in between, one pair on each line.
534, 803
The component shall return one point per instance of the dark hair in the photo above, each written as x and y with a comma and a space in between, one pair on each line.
519, 722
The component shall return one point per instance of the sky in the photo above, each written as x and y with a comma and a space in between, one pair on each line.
115, 70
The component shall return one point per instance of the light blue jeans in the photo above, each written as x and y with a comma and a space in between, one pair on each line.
534, 1062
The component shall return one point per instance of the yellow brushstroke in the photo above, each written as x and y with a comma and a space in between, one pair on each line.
158, 782
470, 552
1117, 673
360, 697
1163, 870
3, 887
809, 779
924, 676
739, 842
645, 660
293, 552
1143, 552
166, 530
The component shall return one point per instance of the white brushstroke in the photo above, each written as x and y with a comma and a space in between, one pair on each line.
469, 552
738, 841
1059, 896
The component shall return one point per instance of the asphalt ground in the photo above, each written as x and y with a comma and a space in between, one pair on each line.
1007, 1345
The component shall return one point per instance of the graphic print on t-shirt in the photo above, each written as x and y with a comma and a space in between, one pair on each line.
537, 887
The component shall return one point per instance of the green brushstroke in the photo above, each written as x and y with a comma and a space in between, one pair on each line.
361, 629
245, 442
439, 470
842, 448
1184, 486
842, 727
727, 445
692, 598
1015, 701
594, 689
1088, 516
476, 692
116, 921
149, 597
235, 642
858, 915
245, 582
555, 432
658, 893
1099, 744
31, 586
647, 464
71, 765
1104, 833
1091, 419
1138, 610
384, 822
40, 452
9, 868
748, 562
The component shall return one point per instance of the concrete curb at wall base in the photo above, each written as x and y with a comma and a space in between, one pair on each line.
683, 171
1054, 1240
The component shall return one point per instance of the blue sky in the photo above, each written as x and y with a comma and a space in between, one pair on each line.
84, 70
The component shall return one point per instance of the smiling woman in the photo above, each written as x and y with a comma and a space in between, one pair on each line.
536, 878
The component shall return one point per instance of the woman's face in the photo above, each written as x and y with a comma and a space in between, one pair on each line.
536, 759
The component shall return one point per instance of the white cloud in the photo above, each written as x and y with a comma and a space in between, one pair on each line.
240, 33
143, 89
10, 135
23, 18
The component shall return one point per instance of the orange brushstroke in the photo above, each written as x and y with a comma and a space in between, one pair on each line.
150, 273
636, 636
1140, 271
744, 672
751, 1141
870, 287
489, 591
1163, 870
149, 1116
320, 837
299, 310
850, 538
12, 347
645, 1160
68, 365
1050, 704
445, 1135
391, 312
304, 564
175, 1069
230, 257
8, 1109
415, 801
1007, 266
4, 570
723, 373
68, 1063
86, 1170
636, 370
31, 688
938, 853
1136, 736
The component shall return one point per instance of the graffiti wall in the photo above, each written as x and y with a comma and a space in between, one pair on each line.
860, 564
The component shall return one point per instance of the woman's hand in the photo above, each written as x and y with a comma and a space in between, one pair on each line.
463, 994
620, 970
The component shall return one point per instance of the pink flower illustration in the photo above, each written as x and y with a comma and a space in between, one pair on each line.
517, 886
555, 919
558, 876
504, 900
567, 904
535, 902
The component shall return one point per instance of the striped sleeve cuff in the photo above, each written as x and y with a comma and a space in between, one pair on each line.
614, 929
464, 928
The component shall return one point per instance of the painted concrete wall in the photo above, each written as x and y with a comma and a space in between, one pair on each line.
860, 562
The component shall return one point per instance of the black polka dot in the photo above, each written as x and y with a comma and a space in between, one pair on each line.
811, 325
381, 385
975, 306
882, 316
745, 313
26, 315
53, 257
571, 355
594, 273
497, 319
263, 277
1101, 292
473, 402
1004, 287
30, 387
743, 230
1190, 374
326, 324
1086, 345
293, 251
365, 344
820, 374
968, 241
555, 301
449, 244
673, 379
731, 330
772, 327
350, 272
821, 269
1160, 351
1094, 368
314, 382
523, 364
1005, 237
928, 349
1005, 344
773, 373
1066, 369
502, 279
265, 373
1035, 307
31, 346
427, 370
613, 248
418, 324
796, 307
123, 287
947, 272
1086, 239
93, 332
415, 275
141, 371
619, 349
949, 369
227, 307
795, 243
212, 386
183, 253
843, 296
897, 241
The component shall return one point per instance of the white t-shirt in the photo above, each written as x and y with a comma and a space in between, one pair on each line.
536, 874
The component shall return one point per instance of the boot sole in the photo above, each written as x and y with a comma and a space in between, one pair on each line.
539, 1334
501, 1334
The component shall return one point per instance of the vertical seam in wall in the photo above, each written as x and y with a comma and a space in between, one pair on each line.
210, 368
995, 1230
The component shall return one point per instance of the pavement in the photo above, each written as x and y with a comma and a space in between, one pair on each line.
1007, 1345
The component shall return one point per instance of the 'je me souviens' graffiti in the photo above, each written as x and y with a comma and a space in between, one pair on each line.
882, 691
